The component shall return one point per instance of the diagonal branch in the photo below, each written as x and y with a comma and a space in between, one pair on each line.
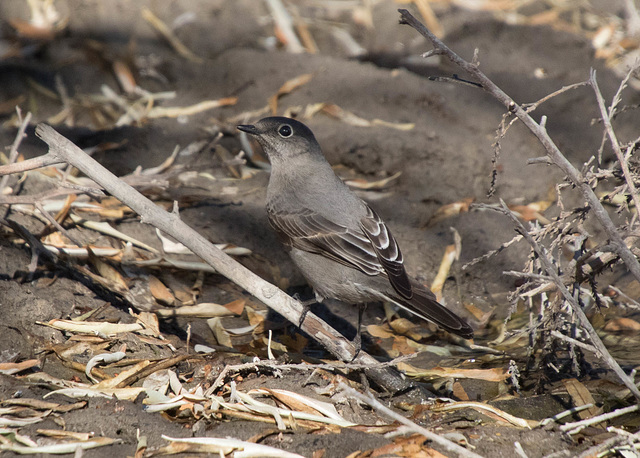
554, 154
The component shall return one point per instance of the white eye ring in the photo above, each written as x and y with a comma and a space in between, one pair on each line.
285, 131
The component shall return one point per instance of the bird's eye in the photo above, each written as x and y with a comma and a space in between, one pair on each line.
285, 131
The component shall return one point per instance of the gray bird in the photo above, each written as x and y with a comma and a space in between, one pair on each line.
341, 246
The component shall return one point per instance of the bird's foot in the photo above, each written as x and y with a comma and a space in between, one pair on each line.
306, 306
357, 342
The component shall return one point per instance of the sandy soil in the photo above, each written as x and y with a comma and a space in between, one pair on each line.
445, 158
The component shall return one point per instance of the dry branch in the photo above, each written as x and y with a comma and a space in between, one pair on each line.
13, 153
575, 306
63, 150
615, 144
538, 129
555, 156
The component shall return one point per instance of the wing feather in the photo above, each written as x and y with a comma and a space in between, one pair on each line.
371, 248
387, 252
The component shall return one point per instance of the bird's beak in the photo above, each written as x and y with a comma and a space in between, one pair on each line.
248, 128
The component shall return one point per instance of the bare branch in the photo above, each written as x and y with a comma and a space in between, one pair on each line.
30, 164
575, 306
13, 153
606, 119
555, 155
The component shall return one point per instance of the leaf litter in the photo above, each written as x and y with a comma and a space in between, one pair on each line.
171, 395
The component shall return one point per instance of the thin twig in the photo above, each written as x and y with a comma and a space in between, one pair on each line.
529, 275
378, 406
573, 428
606, 119
30, 164
46, 195
13, 152
278, 366
575, 342
606, 446
56, 224
284, 22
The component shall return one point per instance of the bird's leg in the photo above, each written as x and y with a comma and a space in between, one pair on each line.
357, 342
306, 306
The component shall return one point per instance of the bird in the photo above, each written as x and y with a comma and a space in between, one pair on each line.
337, 241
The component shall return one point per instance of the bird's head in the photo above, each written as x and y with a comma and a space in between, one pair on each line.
282, 138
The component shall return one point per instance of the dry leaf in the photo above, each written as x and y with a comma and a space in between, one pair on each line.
448, 257
300, 403
64, 211
580, 396
412, 446
410, 329
219, 332
401, 347
108, 273
449, 210
355, 120
286, 88
371, 185
117, 381
150, 322
106, 358
59, 449
236, 307
63, 434
532, 211
257, 319
203, 310
459, 392
174, 112
125, 77
383, 332
160, 292
123, 394
297, 343
28, 30
488, 410
490, 375
221, 447
622, 324
402, 325
14, 368
480, 315
39, 404
93, 327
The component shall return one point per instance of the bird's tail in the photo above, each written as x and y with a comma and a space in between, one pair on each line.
424, 304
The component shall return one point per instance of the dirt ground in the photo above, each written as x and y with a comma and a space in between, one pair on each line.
445, 158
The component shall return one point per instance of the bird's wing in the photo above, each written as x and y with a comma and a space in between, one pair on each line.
387, 252
371, 249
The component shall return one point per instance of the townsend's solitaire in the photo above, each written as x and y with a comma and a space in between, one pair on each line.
341, 246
